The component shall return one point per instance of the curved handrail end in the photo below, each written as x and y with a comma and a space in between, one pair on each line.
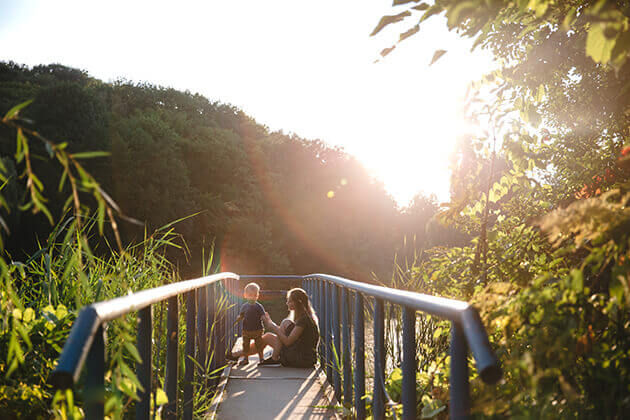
477, 338
76, 348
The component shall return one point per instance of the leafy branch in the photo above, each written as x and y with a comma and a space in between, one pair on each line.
79, 180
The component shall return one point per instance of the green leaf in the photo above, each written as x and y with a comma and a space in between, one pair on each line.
540, 94
433, 10
50, 150
89, 155
386, 51
538, 6
387, 20
569, 19
598, 47
160, 397
421, 7
414, 30
616, 288
577, 280
15, 111
133, 351
460, 13
437, 55
437, 333
29, 315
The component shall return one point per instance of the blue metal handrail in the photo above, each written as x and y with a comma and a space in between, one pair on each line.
331, 297
467, 332
87, 340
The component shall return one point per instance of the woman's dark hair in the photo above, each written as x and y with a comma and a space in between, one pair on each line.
299, 297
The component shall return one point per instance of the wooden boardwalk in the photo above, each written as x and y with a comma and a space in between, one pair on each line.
272, 392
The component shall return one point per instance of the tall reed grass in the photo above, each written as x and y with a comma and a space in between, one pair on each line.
40, 298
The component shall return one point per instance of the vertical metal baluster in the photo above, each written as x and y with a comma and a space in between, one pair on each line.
172, 356
329, 316
324, 329
220, 326
143, 370
460, 392
189, 365
228, 315
347, 368
322, 325
210, 306
202, 344
378, 398
359, 357
409, 364
233, 316
95, 380
336, 342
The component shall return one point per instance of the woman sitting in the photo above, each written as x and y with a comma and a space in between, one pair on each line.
294, 341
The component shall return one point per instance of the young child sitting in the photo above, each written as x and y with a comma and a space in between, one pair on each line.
251, 314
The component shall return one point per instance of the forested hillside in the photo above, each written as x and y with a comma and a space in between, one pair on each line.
270, 202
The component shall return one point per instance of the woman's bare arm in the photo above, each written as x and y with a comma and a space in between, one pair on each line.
287, 340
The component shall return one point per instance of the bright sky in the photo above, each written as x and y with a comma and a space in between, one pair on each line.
303, 67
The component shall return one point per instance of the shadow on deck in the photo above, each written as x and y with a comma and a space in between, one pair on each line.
272, 392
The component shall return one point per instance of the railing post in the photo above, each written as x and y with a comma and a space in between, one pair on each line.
95, 380
325, 324
321, 313
460, 390
211, 308
378, 397
190, 356
347, 368
329, 332
409, 364
172, 355
336, 342
143, 370
359, 357
230, 310
220, 320
202, 344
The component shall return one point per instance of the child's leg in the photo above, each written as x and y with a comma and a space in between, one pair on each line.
246, 343
260, 346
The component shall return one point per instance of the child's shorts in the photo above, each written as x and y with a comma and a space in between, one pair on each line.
252, 335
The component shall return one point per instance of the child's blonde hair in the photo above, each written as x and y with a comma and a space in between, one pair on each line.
252, 289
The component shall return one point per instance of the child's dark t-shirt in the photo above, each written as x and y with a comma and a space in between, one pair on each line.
252, 316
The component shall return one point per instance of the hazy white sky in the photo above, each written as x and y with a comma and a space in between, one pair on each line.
303, 67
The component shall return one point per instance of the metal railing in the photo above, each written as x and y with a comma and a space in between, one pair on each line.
331, 297
86, 342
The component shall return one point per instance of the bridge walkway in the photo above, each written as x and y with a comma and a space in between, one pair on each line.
272, 392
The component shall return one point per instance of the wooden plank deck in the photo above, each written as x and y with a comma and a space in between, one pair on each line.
273, 392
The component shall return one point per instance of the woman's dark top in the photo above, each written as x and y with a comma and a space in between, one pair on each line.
303, 351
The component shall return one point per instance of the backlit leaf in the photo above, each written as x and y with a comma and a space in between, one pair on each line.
437, 55
598, 47
89, 155
14, 112
386, 20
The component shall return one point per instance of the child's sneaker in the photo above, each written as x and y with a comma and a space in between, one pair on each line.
244, 362
269, 361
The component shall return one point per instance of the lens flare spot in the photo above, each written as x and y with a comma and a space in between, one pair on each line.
330, 194
343, 182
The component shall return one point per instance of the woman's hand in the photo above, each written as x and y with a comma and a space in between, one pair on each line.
269, 324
